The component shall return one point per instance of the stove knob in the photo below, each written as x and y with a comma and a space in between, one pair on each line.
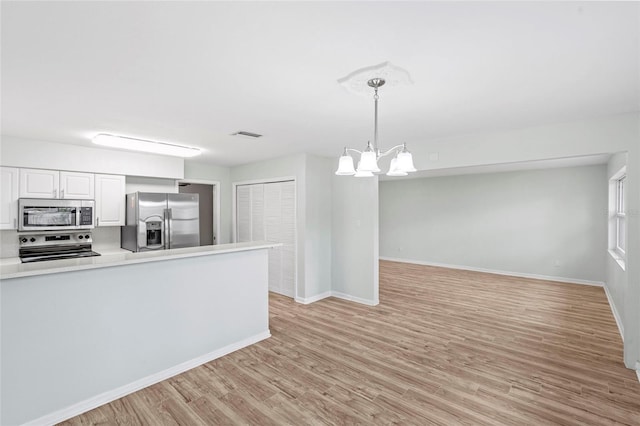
80, 236
87, 236
24, 240
33, 240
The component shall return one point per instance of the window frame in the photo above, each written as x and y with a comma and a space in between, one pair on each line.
617, 217
620, 214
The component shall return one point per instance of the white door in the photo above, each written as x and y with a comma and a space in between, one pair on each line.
110, 200
77, 185
288, 237
268, 212
243, 213
8, 198
37, 183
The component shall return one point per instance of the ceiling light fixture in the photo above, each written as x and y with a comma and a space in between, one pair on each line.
401, 164
145, 145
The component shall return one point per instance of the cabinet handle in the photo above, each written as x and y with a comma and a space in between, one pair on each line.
62, 193
97, 221
15, 223
55, 193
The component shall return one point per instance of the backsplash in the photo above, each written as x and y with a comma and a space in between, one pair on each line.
8, 244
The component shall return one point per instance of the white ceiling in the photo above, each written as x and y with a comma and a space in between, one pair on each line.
195, 72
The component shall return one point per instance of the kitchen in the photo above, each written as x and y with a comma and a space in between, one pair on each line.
210, 75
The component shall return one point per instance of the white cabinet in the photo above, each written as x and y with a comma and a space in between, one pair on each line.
77, 185
8, 198
40, 183
110, 200
36, 183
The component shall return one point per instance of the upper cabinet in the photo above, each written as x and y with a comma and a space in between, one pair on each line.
110, 200
8, 197
39, 183
77, 185
36, 183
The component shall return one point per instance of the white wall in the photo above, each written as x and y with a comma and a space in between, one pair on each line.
19, 152
616, 276
147, 184
538, 222
318, 233
355, 238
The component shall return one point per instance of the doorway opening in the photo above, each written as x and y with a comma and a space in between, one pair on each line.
209, 196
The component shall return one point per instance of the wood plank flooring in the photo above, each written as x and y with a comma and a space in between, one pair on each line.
444, 347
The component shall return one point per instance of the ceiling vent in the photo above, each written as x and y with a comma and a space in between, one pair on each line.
246, 134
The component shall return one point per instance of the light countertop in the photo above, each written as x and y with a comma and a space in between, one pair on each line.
12, 268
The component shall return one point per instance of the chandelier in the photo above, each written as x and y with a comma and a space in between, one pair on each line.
401, 163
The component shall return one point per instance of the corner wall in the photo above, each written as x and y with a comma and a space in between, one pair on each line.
616, 284
355, 239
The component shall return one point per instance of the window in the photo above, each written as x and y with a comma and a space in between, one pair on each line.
617, 217
620, 218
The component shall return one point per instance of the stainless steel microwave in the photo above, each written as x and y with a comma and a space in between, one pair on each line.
36, 214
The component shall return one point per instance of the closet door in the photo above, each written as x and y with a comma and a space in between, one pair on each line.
273, 228
257, 212
243, 213
268, 212
288, 237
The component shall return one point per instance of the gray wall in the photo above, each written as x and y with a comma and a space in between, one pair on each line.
548, 222
205, 202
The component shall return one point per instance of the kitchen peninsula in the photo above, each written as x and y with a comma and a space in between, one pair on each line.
78, 333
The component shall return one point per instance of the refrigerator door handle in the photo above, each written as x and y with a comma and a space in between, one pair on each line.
169, 223
165, 228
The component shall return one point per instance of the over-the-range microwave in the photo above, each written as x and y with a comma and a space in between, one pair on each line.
36, 214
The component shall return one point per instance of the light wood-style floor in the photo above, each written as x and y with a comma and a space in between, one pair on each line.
443, 347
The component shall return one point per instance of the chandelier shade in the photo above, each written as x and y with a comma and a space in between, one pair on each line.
401, 164
405, 161
345, 165
394, 170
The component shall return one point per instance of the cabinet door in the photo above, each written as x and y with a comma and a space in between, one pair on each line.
110, 200
37, 183
77, 185
8, 198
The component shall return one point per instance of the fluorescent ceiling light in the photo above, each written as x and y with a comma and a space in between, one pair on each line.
144, 145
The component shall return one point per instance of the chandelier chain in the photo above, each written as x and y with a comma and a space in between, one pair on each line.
375, 123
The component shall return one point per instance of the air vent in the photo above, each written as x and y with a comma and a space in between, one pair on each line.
247, 134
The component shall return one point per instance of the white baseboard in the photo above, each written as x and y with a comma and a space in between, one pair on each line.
616, 315
638, 372
307, 300
350, 298
498, 272
339, 295
112, 395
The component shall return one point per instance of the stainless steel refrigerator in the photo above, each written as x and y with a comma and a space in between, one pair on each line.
157, 221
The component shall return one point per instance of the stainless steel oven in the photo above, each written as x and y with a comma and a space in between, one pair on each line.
55, 246
55, 215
